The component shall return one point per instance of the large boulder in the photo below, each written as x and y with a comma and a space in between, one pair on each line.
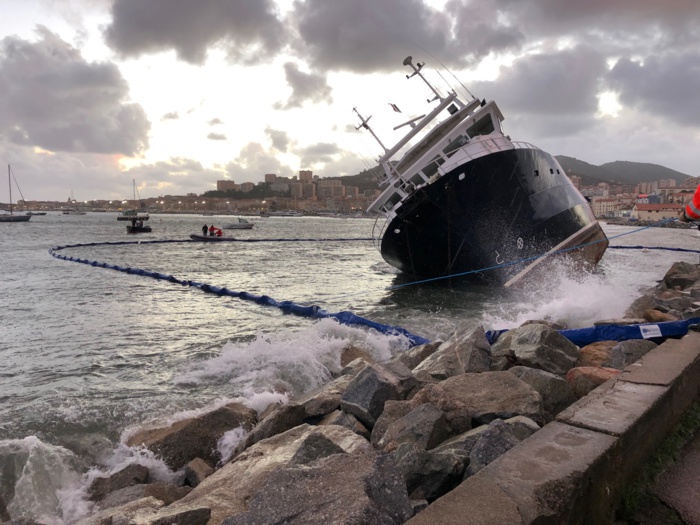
164, 492
415, 356
498, 438
555, 392
584, 379
627, 352
280, 419
536, 346
457, 415
428, 474
133, 474
466, 351
196, 437
423, 426
495, 395
596, 354
338, 417
337, 489
325, 399
681, 275
228, 491
366, 394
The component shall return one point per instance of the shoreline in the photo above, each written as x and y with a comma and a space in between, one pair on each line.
434, 427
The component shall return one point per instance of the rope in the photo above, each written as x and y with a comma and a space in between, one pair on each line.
287, 307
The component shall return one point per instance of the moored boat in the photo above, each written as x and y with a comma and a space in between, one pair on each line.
240, 224
465, 200
12, 217
210, 238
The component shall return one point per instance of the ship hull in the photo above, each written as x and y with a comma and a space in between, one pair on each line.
494, 218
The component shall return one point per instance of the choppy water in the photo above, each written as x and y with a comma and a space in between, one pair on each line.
87, 353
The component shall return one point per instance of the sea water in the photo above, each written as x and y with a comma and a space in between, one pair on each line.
89, 354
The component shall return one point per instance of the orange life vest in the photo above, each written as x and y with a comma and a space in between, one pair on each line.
692, 209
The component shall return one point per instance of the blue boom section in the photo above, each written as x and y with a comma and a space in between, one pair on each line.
655, 332
288, 307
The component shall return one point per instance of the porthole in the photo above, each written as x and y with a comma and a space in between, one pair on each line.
461, 176
551, 171
397, 230
537, 173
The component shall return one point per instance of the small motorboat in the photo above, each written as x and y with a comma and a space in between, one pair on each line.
210, 238
241, 224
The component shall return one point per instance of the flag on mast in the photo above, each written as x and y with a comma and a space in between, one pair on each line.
395, 107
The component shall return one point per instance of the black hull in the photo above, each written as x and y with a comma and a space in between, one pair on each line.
492, 218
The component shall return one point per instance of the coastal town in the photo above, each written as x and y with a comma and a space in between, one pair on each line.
309, 194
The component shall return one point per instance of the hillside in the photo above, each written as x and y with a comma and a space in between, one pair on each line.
624, 172
621, 172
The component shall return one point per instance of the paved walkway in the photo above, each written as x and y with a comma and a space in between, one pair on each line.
679, 486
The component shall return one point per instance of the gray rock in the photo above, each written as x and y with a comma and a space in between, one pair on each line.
346, 420
337, 489
196, 437
164, 492
281, 419
462, 444
315, 446
354, 367
415, 356
196, 471
457, 414
326, 399
522, 427
428, 474
627, 352
682, 275
366, 394
466, 351
497, 439
556, 393
424, 427
495, 395
393, 411
124, 514
536, 346
130, 475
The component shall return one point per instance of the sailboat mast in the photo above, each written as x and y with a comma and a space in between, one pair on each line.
9, 184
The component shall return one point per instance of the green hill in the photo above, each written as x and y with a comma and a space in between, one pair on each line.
621, 172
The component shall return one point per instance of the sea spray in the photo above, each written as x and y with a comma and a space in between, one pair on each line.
42, 482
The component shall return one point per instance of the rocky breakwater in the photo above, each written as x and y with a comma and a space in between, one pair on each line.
409, 440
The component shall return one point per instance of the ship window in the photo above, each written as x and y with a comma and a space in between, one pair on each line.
551, 171
461, 176
455, 145
432, 168
537, 173
558, 171
483, 126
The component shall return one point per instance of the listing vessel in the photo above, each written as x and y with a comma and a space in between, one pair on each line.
11, 216
461, 199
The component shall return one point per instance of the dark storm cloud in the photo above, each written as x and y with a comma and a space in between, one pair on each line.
548, 94
216, 136
51, 97
305, 87
280, 139
248, 30
665, 86
366, 35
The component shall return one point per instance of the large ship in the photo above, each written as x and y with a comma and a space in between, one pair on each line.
460, 198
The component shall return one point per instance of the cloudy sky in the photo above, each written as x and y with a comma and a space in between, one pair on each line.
177, 94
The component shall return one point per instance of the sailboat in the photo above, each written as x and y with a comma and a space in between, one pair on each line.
11, 217
136, 217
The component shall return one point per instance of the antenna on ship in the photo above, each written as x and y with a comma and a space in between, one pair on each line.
363, 124
408, 61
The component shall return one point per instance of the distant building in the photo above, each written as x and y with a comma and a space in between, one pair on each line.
247, 186
576, 181
225, 185
305, 175
605, 206
270, 178
655, 212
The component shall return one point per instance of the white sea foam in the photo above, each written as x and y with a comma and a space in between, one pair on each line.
292, 362
574, 299
44, 482
228, 442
